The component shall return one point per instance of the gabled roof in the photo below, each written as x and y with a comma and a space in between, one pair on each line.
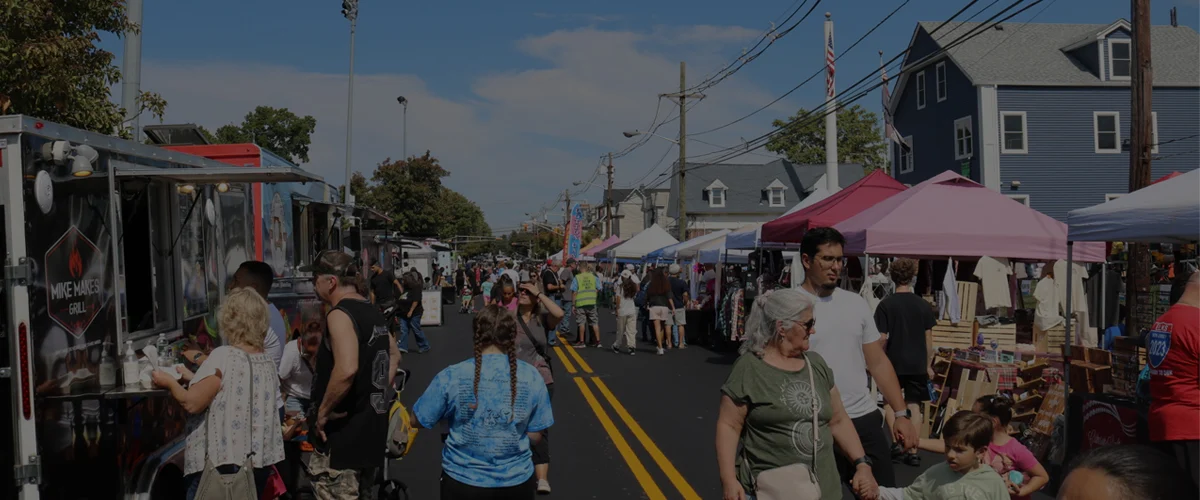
746, 182
1033, 53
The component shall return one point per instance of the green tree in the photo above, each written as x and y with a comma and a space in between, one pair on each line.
412, 194
51, 68
859, 138
279, 130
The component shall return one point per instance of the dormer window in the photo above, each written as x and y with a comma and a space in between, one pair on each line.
716, 194
1120, 59
775, 193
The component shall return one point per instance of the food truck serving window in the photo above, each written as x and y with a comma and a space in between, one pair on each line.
145, 261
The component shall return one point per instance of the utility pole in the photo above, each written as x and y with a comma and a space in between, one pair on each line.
1142, 82
350, 11
131, 71
831, 152
680, 170
566, 224
608, 201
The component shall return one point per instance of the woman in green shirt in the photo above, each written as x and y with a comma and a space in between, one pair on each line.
766, 404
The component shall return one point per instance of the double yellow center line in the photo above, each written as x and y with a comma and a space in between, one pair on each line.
635, 464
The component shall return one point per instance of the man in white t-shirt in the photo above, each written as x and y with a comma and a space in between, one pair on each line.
846, 336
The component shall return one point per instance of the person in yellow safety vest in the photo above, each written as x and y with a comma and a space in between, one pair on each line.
585, 287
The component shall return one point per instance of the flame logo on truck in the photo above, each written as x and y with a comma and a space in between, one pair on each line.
74, 297
75, 264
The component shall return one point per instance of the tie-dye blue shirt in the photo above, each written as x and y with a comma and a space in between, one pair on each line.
486, 448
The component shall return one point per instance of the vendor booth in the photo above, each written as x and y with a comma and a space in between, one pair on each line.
863, 194
814, 196
673, 252
634, 250
608, 243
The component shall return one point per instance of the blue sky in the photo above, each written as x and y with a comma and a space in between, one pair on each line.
518, 99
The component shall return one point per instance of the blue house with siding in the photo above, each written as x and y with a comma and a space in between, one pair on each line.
1039, 111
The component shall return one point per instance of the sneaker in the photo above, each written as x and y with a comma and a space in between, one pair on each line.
615, 350
632, 351
660, 351
597, 345
423, 350
403, 351
683, 345
579, 345
543, 487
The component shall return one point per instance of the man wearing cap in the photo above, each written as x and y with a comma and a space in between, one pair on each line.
566, 278
584, 289
352, 385
678, 300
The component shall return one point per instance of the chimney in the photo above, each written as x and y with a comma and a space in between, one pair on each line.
1175, 17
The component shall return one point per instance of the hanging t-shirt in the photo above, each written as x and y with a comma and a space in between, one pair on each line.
1046, 315
487, 446
843, 324
1173, 354
993, 274
778, 427
905, 317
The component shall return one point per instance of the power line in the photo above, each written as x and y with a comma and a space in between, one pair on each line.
802, 120
810, 78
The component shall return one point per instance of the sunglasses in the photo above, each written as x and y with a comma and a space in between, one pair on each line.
808, 325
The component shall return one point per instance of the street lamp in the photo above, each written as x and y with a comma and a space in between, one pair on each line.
634, 133
350, 11
404, 103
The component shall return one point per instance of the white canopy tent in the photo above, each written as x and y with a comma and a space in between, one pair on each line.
649, 240
1166, 212
687, 248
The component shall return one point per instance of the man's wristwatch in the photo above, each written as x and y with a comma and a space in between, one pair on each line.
905, 413
863, 460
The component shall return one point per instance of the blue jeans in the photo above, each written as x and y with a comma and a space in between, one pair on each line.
412, 324
564, 326
261, 475
551, 338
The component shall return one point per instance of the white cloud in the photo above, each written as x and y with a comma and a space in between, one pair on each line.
514, 145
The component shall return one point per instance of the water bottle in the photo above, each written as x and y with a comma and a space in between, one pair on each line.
108, 367
164, 350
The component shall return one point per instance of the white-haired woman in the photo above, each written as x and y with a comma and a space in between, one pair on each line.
767, 404
231, 425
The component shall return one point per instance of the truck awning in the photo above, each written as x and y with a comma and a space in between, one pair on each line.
357, 211
215, 175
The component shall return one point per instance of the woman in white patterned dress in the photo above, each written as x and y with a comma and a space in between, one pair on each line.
230, 420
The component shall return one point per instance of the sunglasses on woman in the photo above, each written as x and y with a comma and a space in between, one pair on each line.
808, 325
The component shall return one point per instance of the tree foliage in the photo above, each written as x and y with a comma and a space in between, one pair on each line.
51, 68
412, 194
277, 129
858, 136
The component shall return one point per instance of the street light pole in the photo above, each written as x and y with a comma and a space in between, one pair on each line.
350, 11
404, 103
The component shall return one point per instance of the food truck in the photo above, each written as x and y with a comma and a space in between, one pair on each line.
107, 241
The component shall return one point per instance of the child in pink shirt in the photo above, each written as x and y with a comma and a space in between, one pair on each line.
1015, 463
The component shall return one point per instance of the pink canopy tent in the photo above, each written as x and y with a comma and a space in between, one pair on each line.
952, 216
836, 208
604, 245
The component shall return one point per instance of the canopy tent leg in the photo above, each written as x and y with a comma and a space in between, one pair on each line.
1069, 340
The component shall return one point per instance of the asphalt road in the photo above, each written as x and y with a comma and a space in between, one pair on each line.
625, 426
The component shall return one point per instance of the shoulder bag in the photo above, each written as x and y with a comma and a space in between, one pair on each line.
541, 349
795, 481
237, 486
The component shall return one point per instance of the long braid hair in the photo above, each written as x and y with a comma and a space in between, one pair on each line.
496, 326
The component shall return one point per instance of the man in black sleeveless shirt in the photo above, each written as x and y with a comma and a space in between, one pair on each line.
352, 388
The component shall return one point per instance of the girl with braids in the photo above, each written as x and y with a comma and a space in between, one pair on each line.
496, 406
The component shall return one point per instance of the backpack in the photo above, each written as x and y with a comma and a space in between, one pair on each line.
639, 300
400, 431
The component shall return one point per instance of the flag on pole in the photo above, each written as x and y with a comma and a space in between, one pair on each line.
889, 130
829, 66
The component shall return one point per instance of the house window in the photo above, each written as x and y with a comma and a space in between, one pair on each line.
962, 138
921, 90
905, 161
1020, 198
1154, 132
940, 76
716, 197
1120, 60
1106, 131
1012, 130
776, 197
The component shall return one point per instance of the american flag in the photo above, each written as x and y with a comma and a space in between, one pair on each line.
829, 69
888, 129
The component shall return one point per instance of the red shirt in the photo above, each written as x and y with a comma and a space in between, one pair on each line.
1173, 353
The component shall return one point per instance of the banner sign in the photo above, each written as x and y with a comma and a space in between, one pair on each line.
575, 236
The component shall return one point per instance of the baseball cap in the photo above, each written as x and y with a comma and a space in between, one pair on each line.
571, 261
674, 269
626, 274
629, 267
332, 262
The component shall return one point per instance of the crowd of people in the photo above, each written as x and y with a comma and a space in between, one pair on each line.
797, 417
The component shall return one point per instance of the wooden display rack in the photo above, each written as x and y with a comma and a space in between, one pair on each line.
965, 335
